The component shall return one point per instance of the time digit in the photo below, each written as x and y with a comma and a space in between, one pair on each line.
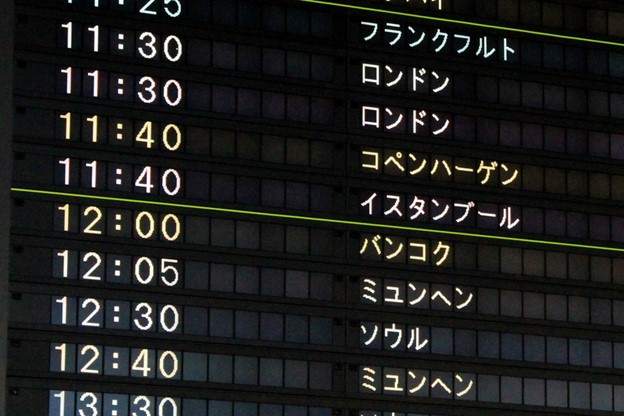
145, 406
148, 49
172, 405
141, 364
63, 302
144, 180
62, 349
171, 182
67, 117
64, 255
96, 264
68, 79
172, 92
173, 48
94, 128
168, 364
147, 8
172, 137
66, 164
144, 270
69, 27
171, 227
97, 217
61, 396
145, 310
96, 37
173, 8
65, 210
93, 172
143, 220
145, 135
95, 355
96, 82
91, 404
169, 273
148, 95
171, 312
145, 226
87, 321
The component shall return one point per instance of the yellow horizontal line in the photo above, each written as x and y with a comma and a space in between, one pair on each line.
315, 219
465, 23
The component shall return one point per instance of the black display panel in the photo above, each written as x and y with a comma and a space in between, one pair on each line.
6, 131
312, 208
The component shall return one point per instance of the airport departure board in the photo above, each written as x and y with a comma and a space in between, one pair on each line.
312, 208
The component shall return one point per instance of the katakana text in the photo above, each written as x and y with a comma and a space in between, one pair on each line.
440, 167
437, 40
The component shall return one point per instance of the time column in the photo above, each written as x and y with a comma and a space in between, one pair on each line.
104, 97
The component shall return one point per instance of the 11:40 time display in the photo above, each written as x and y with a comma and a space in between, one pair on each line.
146, 134
93, 174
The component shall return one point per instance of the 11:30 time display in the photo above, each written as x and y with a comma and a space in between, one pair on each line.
148, 45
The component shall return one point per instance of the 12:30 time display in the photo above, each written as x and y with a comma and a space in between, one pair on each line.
116, 314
